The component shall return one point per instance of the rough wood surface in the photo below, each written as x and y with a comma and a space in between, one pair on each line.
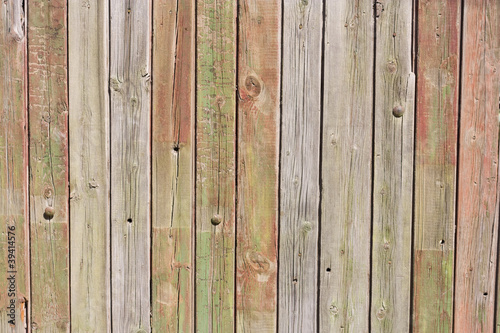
300, 143
130, 63
48, 165
393, 168
477, 214
347, 166
435, 164
172, 169
258, 162
88, 41
215, 165
14, 238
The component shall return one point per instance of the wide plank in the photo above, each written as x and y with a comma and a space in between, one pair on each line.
48, 165
172, 166
477, 213
130, 99
215, 165
437, 66
88, 44
346, 166
393, 168
259, 68
14, 236
300, 165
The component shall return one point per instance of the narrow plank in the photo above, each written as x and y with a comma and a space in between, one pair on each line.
130, 63
215, 165
14, 238
477, 218
436, 164
300, 142
393, 168
88, 41
347, 166
48, 164
172, 158
258, 162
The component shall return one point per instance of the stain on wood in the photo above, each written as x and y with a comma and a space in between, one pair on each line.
14, 237
477, 213
48, 165
172, 168
88, 44
258, 162
130, 80
215, 165
347, 166
300, 150
435, 164
393, 169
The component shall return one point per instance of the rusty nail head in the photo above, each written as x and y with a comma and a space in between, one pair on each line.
49, 213
398, 111
216, 219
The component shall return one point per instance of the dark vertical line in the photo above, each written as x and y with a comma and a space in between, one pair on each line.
151, 161
236, 140
414, 54
194, 161
370, 284
320, 176
460, 66
280, 126
110, 146
68, 161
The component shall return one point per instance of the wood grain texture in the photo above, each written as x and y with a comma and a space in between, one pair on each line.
436, 164
393, 168
215, 165
347, 166
14, 237
258, 161
130, 63
88, 44
173, 162
300, 142
477, 214
48, 165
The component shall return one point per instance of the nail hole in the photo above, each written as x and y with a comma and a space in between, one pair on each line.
328, 269
485, 294
441, 242
176, 148
129, 220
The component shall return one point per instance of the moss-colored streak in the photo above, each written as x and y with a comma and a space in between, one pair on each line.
215, 165
48, 112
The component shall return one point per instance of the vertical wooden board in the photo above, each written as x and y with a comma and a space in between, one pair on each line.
215, 165
393, 168
300, 142
88, 41
172, 156
477, 219
347, 166
435, 164
258, 160
48, 164
130, 48
14, 263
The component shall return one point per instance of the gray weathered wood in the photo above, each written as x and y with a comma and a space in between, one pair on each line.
300, 142
347, 166
393, 168
88, 80
130, 36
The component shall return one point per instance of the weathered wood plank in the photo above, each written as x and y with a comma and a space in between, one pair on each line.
88, 43
130, 63
393, 168
435, 164
215, 165
300, 142
347, 166
258, 161
173, 162
477, 218
14, 238
48, 164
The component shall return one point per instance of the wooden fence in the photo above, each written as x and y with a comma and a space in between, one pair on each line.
250, 166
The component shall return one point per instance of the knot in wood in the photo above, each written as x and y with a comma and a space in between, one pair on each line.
253, 86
